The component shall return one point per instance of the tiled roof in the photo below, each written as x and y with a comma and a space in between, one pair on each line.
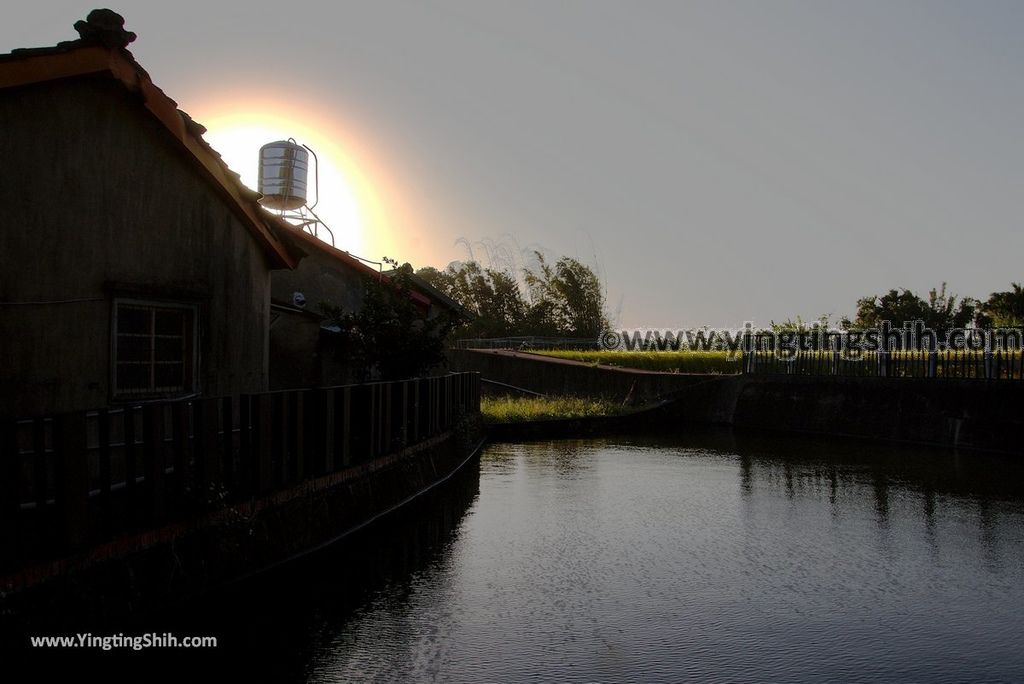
84, 57
305, 242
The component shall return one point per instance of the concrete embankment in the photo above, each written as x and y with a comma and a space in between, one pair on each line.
968, 414
186, 559
569, 378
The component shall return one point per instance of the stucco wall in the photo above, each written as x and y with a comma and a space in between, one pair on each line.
294, 344
322, 280
96, 193
299, 357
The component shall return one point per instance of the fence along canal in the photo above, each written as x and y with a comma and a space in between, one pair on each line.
74, 480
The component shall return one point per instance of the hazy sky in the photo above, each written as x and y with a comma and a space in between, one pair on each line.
716, 161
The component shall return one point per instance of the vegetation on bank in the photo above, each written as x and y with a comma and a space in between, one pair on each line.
662, 361
523, 409
388, 335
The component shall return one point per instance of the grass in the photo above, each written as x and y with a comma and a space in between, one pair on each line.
522, 409
662, 361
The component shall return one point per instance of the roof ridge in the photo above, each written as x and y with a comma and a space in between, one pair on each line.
103, 34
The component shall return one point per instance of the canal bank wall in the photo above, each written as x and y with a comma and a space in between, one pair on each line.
187, 559
965, 414
561, 377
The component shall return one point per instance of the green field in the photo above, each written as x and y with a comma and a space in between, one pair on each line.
522, 409
947, 364
663, 361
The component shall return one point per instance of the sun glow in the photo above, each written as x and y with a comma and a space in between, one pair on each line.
349, 203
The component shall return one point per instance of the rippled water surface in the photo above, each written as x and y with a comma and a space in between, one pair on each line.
703, 559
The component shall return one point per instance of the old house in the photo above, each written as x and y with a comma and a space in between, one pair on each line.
439, 301
300, 331
134, 265
326, 277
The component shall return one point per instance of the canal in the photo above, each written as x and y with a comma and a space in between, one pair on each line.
715, 557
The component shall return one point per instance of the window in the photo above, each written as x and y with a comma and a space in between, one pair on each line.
154, 349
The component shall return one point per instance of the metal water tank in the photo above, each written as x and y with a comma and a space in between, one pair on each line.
283, 169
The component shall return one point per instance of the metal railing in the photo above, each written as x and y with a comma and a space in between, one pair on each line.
527, 342
993, 365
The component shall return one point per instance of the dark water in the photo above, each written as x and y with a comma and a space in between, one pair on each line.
714, 558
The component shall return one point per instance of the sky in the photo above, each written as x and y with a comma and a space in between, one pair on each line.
715, 162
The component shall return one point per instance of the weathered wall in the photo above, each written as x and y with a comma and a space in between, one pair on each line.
294, 349
299, 356
972, 414
96, 194
322, 280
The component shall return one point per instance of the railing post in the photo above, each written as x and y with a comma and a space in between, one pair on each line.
360, 423
446, 402
130, 453
262, 438
245, 475
278, 438
297, 430
342, 428
435, 405
328, 408
10, 480
376, 418
414, 410
456, 396
403, 422
69, 435
204, 447
227, 460
152, 438
423, 408
39, 465
179, 427
385, 417
318, 432
103, 437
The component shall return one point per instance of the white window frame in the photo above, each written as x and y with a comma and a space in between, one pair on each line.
191, 382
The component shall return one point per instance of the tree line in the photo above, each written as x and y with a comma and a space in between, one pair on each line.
389, 338
564, 299
940, 311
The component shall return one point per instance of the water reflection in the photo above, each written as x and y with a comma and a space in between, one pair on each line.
714, 557
720, 556
286, 625
977, 487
